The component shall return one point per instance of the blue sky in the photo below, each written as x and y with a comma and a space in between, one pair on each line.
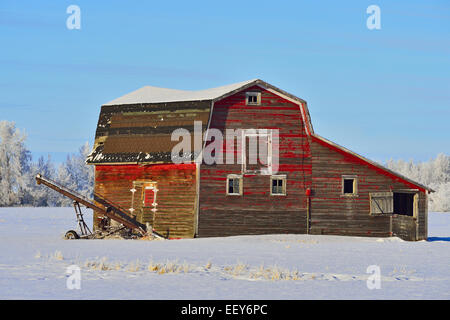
381, 93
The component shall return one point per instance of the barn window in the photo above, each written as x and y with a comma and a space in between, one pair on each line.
381, 203
234, 185
257, 151
253, 98
349, 185
405, 203
402, 203
278, 185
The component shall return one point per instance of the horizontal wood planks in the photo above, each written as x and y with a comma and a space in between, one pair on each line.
256, 211
404, 227
141, 133
240, 222
176, 195
335, 213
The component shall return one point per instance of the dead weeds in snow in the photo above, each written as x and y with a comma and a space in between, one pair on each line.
239, 270
57, 255
274, 273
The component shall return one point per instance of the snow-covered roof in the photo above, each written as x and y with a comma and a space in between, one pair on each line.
149, 94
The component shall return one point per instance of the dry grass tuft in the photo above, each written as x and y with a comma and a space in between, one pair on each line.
168, 267
58, 255
134, 266
102, 265
238, 270
274, 273
186, 267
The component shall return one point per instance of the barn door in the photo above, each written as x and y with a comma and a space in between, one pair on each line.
402, 207
143, 201
381, 203
149, 204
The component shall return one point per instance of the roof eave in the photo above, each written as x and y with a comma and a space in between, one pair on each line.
372, 163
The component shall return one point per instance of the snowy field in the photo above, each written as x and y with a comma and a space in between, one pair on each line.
34, 257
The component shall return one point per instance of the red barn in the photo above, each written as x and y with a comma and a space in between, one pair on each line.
249, 163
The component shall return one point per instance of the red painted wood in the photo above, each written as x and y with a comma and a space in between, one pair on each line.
149, 197
221, 214
350, 158
176, 195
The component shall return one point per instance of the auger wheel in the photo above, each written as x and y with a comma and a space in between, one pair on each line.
71, 234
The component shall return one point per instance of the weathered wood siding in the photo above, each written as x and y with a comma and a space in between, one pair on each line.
133, 143
423, 217
142, 132
404, 227
176, 195
256, 211
334, 213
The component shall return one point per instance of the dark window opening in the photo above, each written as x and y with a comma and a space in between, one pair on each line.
404, 203
349, 186
233, 186
277, 186
252, 99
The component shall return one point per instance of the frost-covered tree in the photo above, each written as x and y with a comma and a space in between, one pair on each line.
440, 200
75, 174
434, 174
17, 172
64, 177
38, 195
14, 165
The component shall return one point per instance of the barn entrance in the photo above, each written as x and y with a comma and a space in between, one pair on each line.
404, 221
404, 203
403, 208
397, 202
143, 201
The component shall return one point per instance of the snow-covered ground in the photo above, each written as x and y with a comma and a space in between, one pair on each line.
34, 258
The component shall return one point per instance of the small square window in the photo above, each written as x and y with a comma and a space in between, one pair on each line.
253, 98
278, 185
234, 185
349, 185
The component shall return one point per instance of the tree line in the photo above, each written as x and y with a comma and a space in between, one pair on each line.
18, 171
434, 173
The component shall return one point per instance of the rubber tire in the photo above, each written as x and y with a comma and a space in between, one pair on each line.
71, 234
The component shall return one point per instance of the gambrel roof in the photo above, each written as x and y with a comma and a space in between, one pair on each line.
149, 94
136, 128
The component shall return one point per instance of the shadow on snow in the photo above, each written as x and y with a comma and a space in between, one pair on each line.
438, 239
